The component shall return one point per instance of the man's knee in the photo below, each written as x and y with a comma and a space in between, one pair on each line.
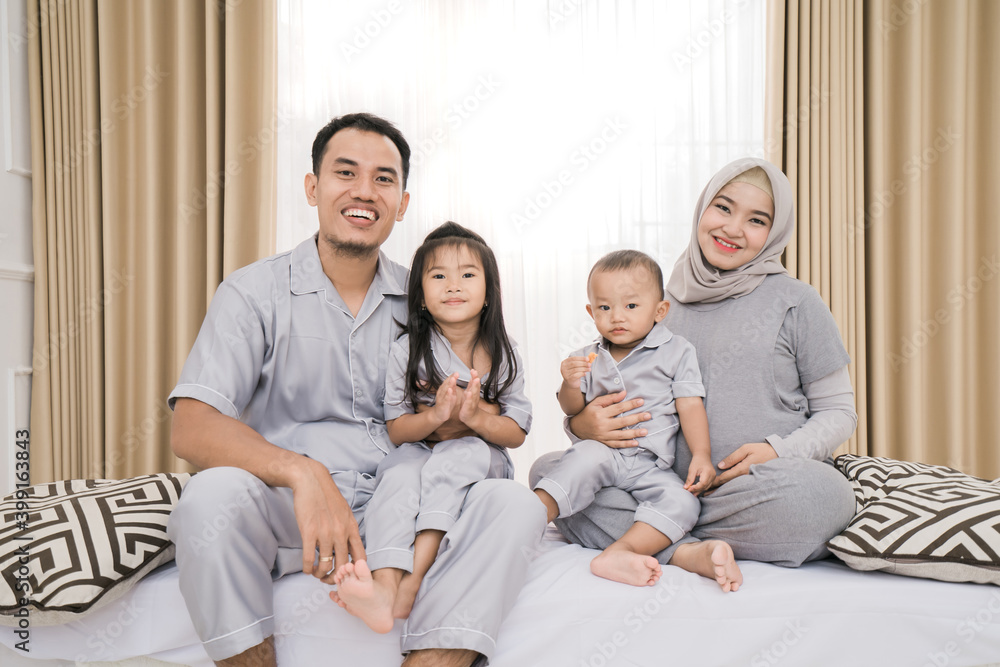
512, 506
214, 503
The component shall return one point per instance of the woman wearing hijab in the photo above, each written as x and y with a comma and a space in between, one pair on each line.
778, 394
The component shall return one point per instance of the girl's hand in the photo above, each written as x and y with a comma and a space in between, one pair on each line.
469, 409
739, 462
573, 369
446, 398
701, 474
604, 420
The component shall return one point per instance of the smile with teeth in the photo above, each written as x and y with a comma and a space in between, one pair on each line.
360, 213
726, 244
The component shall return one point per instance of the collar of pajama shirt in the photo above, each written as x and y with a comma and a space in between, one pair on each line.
659, 369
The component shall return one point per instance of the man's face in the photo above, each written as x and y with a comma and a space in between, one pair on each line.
358, 193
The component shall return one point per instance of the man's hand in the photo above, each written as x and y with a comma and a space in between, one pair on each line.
603, 419
326, 523
739, 462
701, 474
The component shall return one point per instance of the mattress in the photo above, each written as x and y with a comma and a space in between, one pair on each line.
822, 613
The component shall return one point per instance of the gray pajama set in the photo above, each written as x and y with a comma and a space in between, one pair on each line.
423, 488
280, 351
761, 355
660, 368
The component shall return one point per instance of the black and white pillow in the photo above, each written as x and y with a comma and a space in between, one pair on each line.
921, 520
84, 543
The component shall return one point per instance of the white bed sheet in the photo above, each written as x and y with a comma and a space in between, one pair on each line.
820, 614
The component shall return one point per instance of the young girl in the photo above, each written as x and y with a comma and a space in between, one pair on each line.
454, 363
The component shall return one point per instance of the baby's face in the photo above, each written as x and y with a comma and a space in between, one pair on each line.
625, 304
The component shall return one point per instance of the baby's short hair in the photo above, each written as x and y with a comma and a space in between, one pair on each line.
622, 260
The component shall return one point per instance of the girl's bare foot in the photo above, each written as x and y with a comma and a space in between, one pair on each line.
362, 596
627, 567
713, 559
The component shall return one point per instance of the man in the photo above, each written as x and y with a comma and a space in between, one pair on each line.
280, 401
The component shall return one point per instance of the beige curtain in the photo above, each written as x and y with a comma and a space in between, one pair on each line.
815, 132
153, 127
932, 164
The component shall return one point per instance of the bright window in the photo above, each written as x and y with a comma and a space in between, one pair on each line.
558, 130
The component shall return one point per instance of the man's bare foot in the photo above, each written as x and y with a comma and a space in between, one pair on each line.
362, 596
405, 595
627, 567
713, 559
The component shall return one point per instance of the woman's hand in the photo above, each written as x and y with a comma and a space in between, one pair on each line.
603, 419
739, 462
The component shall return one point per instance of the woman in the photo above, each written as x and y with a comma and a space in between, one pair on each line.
778, 394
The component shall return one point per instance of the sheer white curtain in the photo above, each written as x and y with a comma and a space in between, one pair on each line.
558, 130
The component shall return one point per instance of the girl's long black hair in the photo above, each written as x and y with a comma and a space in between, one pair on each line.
492, 332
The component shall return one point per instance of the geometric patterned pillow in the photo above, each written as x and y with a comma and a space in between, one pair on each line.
82, 543
921, 520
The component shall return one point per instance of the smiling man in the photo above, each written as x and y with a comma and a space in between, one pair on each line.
280, 401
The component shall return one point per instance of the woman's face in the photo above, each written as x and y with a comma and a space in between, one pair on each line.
734, 227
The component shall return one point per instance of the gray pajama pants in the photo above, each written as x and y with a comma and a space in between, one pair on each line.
418, 488
588, 466
782, 512
235, 535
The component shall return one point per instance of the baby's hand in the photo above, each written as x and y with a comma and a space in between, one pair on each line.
573, 369
701, 474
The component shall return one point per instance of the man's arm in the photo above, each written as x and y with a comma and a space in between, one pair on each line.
205, 437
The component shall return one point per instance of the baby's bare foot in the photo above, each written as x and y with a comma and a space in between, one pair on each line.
627, 567
713, 559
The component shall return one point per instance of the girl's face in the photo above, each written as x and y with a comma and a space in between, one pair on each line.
734, 227
454, 284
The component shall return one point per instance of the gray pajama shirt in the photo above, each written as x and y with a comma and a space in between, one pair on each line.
660, 368
771, 361
423, 488
280, 351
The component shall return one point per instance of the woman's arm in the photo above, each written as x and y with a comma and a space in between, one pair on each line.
603, 419
832, 419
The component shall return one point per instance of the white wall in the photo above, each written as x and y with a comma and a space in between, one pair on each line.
16, 270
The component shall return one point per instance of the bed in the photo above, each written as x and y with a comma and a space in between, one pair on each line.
913, 519
820, 614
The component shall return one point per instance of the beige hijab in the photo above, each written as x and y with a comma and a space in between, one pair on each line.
694, 280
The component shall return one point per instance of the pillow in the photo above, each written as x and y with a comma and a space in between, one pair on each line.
920, 520
82, 543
